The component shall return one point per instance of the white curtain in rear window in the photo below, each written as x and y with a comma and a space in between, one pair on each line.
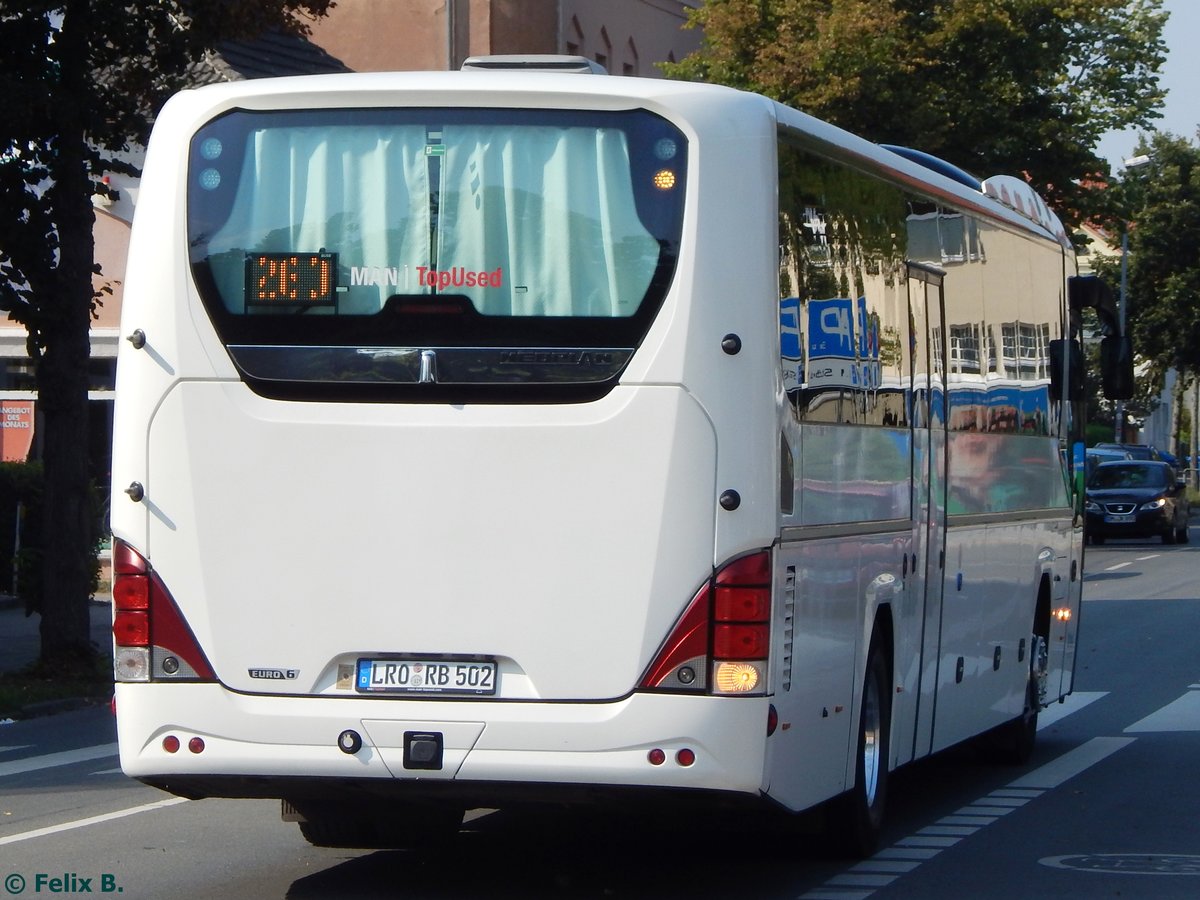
360, 192
549, 215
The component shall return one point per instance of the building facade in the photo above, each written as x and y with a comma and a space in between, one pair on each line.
627, 37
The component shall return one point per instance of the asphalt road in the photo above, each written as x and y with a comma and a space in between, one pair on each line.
1105, 809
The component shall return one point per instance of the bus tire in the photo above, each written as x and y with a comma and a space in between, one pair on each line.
325, 825
856, 817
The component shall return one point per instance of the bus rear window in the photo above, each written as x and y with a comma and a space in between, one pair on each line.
447, 228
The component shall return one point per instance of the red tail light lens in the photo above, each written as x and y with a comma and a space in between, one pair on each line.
741, 641
752, 570
743, 604
131, 628
152, 639
682, 661
131, 591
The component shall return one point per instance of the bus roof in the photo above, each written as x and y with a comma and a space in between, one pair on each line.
1004, 198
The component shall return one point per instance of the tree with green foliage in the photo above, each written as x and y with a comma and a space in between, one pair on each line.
1162, 199
1164, 253
994, 86
82, 81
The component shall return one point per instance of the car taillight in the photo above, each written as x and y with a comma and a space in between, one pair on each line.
721, 643
152, 642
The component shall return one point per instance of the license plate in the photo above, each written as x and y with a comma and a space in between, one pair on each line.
426, 676
1118, 520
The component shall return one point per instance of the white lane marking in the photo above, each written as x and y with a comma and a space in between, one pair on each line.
983, 808
1014, 802
885, 866
967, 820
94, 820
1118, 566
50, 760
917, 853
1151, 556
1073, 704
16, 747
852, 879
950, 830
1018, 793
1178, 715
916, 840
1071, 763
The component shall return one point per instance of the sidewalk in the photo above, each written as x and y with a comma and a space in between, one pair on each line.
20, 640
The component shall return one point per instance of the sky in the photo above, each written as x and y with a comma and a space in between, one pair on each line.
1180, 76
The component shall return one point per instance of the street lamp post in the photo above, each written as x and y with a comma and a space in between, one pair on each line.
1119, 436
1136, 162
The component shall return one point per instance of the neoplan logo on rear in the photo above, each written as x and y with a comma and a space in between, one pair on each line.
274, 674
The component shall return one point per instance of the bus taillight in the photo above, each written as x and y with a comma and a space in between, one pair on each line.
152, 642
721, 643
742, 635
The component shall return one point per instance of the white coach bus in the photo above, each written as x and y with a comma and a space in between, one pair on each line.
496, 437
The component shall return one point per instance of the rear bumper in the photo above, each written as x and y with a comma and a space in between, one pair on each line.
256, 746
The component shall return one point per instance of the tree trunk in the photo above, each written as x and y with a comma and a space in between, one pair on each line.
62, 334
68, 537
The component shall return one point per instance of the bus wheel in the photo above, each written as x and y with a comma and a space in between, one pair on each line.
330, 825
856, 817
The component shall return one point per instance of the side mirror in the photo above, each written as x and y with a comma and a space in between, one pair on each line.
1116, 367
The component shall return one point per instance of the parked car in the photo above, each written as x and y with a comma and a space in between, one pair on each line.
1136, 498
1135, 451
1097, 455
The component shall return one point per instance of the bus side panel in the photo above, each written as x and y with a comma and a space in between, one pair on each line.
962, 703
993, 576
828, 592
